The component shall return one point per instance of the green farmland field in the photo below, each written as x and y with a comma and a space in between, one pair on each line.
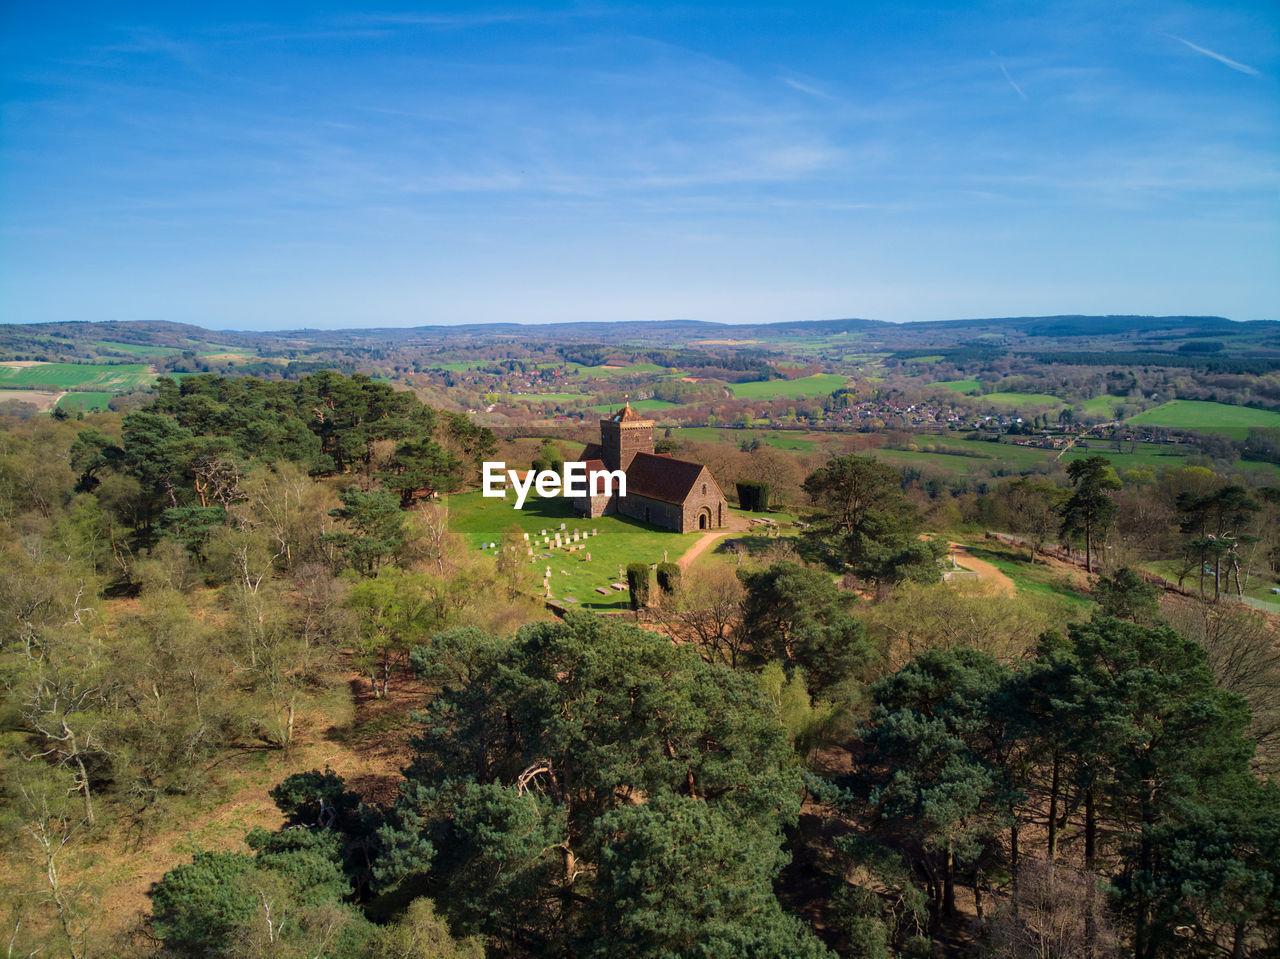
1006, 458
958, 386
1022, 399
820, 384
801, 440
550, 397
608, 371
85, 401
1102, 405
134, 348
1233, 421
90, 377
652, 406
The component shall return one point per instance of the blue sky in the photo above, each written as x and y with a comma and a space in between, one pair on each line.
272, 166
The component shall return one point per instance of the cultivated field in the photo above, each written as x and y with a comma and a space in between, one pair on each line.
85, 401
88, 377
605, 372
820, 384
958, 386
653, 406
1233, 421
135, 349
802, 441
42, 400
1022, 399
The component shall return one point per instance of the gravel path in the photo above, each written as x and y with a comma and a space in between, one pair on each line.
736, 525
996, 581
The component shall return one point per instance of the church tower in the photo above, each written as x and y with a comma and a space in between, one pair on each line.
623, 435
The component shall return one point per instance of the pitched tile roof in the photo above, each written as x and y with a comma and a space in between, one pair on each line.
627, 415
661, 477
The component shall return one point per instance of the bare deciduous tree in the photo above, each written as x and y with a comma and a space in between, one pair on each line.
1047, 917
706, 610
1244, 653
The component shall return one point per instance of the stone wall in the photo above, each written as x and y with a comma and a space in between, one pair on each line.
620, 442
705, 495
653, 511
680, 517
594, 506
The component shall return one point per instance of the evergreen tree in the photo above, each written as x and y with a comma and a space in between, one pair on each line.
527, 773
421, 467
377, 528
798, 615
1089, 511
868, 525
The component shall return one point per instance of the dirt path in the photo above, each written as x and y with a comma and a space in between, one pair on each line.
736, 525
996, 581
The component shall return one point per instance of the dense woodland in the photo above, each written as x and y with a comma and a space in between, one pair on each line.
811, 748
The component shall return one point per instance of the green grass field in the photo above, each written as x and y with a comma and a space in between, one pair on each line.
550, 397
820, 384
958, 386
134, 348
89, 377
651, 405
1233, 421
799, 440
962, 465
605, 372
1102, 405
1022, 399
620, 541
1007, 458
85, 401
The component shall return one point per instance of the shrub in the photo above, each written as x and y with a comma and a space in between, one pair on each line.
753, 496
668, 578
638, 580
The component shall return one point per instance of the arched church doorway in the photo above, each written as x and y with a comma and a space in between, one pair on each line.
704, 518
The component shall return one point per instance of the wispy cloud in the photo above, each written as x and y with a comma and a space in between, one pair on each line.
155, 43
1017, 89
1234, 65
811, 90
444, 20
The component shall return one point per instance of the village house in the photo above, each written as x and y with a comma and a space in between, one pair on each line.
662, 490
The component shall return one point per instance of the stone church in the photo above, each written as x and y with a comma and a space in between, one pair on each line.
661, 490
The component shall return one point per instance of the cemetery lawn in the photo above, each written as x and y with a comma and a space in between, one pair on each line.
621, 540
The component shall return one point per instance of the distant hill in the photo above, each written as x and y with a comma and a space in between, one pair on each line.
108, 341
